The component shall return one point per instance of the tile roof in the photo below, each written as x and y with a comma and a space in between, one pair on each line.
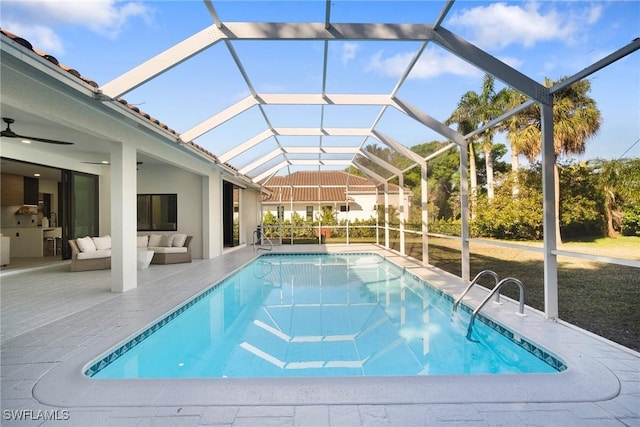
26, 44
305, 186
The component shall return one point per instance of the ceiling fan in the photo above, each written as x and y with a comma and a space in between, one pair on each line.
8, 133
105, 163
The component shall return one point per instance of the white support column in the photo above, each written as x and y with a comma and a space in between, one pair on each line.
425, 215
464, 214
124, 273
346, 192
386, 215
549, 219
377, 216
211, 216
402, 212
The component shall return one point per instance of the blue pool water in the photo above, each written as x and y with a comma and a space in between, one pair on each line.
319, 315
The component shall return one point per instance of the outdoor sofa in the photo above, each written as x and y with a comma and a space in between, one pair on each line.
94, 253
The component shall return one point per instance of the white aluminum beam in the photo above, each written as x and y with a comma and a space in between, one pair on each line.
418, 115
271, 171
480, 59
251, 166
440, 151
550, 234
162, 62
321, 150
317, 31
213, 13
327, 15
443, 14
322, 131
397, 146
218, 119
371, 174
283, 99
333, 162
613, 57
298, 132
251, 142
407, 70
322, 99
377, 160
316, 162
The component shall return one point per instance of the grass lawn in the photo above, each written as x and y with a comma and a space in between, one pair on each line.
601, 298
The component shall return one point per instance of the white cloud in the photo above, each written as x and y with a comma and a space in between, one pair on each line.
42, 38
432, 63
499, 25
349, 50
38, 20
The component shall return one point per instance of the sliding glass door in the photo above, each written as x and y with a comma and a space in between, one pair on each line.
230, 214
79, 207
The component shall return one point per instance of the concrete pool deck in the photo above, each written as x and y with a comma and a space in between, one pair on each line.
55, 322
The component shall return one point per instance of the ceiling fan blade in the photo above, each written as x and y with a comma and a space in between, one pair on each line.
45, 140
107, 163
8, 133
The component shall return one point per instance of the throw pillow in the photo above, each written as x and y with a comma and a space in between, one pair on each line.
85, 244
154, 240
179, 239
166, 240
143, 241
102, 243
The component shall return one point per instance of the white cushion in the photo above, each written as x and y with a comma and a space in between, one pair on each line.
85, 244
179, 240
143, 241
102, 243
95, 254
166, 241
154, 239
166, 250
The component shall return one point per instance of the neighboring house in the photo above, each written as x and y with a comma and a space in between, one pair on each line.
307, 192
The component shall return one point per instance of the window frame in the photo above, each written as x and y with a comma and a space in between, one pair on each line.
172, 212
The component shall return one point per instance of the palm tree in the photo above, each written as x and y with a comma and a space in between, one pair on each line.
576, 118
619, 182
476, 110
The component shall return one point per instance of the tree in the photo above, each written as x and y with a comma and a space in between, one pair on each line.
619, 183
576, 118
475, 110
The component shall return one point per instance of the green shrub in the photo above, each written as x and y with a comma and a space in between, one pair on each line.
631, 222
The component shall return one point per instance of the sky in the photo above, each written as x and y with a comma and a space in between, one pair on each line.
102, 39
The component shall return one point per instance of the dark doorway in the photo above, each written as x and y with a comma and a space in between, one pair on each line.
230, 214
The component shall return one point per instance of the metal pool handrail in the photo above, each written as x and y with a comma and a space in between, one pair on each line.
473, 282
497, 289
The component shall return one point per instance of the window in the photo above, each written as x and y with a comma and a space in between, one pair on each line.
280, 212
309, 212
344, 208
157, 212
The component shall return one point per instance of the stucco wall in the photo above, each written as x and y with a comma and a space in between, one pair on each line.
188, 186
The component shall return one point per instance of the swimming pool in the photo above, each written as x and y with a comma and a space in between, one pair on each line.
320, 315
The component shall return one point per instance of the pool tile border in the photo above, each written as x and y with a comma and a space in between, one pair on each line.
111, 356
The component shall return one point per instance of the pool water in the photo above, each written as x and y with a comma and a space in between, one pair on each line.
318, 315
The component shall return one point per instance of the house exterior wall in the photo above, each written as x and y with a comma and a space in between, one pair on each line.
362, 207
168, 179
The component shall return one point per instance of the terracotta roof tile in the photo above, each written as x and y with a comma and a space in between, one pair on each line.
305, 186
